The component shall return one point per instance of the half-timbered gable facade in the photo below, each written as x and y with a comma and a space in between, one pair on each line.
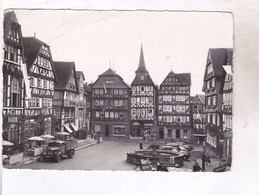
227, 112
174, 107
214, 78
143, 101
41, 73
110, 105
13, 80
198, 118
79, 112
65, 95
87, 106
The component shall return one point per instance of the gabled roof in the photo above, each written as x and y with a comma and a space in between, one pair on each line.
9, 18
218, 57
110, 75
32, 47
182, 78
63, 72
109, 72
198, 99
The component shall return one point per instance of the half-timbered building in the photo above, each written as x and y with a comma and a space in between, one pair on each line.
13, 80
65, 94
213, 84
80, 112
41, 73
143, 101
227, 112
198, 118
174, 107
110, 105
87, 106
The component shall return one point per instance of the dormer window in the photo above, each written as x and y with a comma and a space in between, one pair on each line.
209, 69
142, 77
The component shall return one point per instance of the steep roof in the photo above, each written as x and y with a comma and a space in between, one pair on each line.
184, 78
79, 73
201, 97
141, 66
9, 17
218, 57
63, 71
142, 71
32, 47
114, 80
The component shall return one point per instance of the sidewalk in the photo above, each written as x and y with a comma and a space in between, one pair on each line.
23, 159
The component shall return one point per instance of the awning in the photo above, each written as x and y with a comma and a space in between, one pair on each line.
74, 127
68, 129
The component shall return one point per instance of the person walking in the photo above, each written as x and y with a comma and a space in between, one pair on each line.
141, 144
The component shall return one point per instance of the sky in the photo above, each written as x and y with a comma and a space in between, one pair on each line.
97, 40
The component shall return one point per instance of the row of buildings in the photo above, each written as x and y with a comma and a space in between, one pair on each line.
45, 96
40, 96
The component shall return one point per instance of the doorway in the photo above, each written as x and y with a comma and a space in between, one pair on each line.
161, 134
107, 133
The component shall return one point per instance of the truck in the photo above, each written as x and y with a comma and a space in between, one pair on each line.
57, 149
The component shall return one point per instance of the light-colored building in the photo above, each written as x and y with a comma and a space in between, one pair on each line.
143, 101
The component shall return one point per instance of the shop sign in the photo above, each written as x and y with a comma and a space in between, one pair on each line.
12, 119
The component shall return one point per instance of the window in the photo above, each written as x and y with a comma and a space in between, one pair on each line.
116, 92
150, 100
111, 114
120, 102
208, 84
56, 113
142, 77
150, 112
101, 91
213, 83
121, 115
209, 68
169, 133
143, 101
39, 83
177, 133
97, 128
133, 112
214, 101
15, 93
167, 98
32, 82
133, 100
116, 115
119, 130
142, 112
121, 92
185, 133
97, 114
97, 92
106, 114
142, 88
178, 98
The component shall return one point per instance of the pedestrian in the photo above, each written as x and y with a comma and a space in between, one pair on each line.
203, 156
141, 144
